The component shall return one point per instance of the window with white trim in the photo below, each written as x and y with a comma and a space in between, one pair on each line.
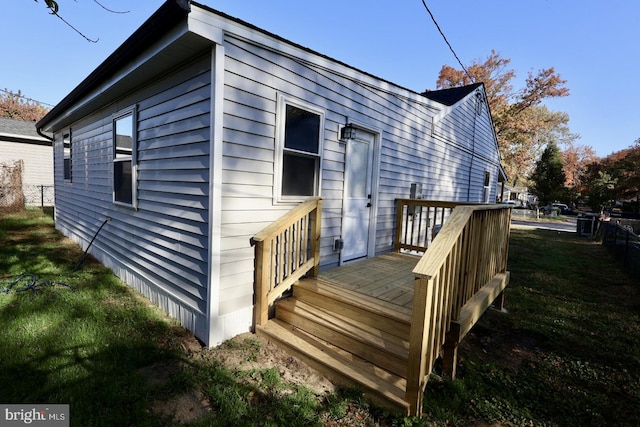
487, 188
299, 154
124, 158
66, 150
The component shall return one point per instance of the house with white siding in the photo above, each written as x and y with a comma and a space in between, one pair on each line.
201, 130
21, 146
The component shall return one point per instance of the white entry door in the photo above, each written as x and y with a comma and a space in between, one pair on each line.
357, 196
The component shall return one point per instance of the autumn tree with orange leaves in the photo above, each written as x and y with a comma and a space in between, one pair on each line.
523, 126
576, 160
627, 170
16, 106
614, 178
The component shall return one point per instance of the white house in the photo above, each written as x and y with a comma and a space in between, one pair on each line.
20, 142
201, 129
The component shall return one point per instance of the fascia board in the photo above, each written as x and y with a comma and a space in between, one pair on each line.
94, 98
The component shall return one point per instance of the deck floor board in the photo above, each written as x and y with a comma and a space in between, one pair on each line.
386, 277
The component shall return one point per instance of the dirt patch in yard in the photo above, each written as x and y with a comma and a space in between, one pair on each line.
250, 353
244, 353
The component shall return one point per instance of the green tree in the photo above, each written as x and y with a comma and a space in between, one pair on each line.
601, 190
615, 178
547, 179
523, 126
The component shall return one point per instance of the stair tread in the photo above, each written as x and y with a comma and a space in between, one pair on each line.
348, 326
326, 287
384, 383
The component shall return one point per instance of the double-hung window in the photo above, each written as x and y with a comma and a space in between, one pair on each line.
66, 144
300, 151
124, 158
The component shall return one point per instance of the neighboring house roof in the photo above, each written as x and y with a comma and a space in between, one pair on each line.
20, 131
452, 95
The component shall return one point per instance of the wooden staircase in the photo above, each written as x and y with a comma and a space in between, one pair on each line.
354, 337
349, 337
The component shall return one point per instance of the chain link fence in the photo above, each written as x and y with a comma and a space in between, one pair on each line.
16, 195
15, 199
623, 242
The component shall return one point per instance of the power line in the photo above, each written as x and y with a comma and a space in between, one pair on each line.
447, 41
25, 98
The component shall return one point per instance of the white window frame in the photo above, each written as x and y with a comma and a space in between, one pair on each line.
133, 158
281, 116
487, 186
67, 155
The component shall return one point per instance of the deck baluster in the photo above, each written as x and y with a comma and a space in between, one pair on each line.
277, 267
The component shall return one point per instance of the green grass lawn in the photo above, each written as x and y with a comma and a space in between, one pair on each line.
566, 354
87, 340
82, 347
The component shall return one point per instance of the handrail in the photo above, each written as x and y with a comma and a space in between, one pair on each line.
470, 249
418, 222
285, 250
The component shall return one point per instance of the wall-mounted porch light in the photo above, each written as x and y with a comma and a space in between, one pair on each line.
348, 132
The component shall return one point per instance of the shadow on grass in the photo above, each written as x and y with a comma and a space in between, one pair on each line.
60, 346
29, 245
110, 355
116, 364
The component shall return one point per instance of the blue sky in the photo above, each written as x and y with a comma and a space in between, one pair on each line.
594, 45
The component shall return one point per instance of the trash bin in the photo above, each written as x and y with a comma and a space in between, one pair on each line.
586, 225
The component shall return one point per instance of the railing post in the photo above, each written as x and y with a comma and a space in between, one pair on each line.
399, 216
450, 351
316, 226
506, 236
498, 303
419, 350
262, 279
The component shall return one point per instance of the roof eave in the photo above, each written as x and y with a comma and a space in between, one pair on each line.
168, 15
24, 139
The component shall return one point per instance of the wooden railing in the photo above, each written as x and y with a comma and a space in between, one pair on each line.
285, 251
418, 222
467, 254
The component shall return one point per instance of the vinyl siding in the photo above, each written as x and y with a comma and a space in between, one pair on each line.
37, 158
160, 248
37, 167
254, 78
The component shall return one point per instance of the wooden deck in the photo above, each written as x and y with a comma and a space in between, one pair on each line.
388, 278
380, 323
